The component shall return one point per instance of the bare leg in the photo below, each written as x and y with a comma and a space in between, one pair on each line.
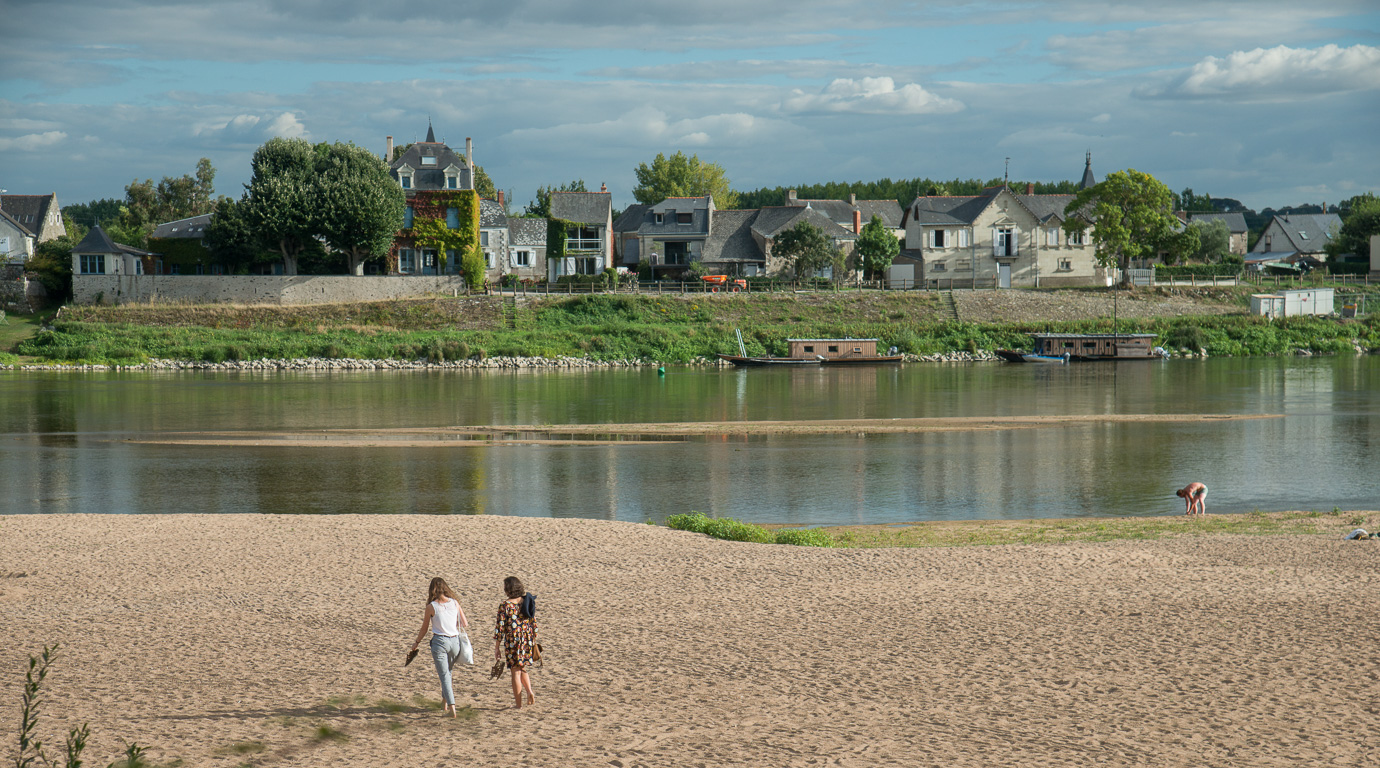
527, 686
517, 688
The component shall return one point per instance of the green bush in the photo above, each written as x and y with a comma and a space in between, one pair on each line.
214, 355
804, 537
1187, 336
1223, 269
720, 528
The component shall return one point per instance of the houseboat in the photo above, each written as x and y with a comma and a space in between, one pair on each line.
1083, 347
821, 352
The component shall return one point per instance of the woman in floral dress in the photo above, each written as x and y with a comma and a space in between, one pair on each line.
514, 635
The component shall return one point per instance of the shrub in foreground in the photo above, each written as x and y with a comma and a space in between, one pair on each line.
804, 537
736, 530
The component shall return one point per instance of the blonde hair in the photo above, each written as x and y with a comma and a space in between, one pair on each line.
438, 588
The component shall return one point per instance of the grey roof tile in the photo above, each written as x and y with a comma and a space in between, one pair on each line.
631, 218
773, 220
889, 210
194, 226
531, 232
491, 214
731, 239
28, 211
590, 208
1236, 222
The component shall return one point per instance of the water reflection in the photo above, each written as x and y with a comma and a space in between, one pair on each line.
63, 446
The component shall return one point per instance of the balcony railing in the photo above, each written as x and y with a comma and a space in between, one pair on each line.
583, 244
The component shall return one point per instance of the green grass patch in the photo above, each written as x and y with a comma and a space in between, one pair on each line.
327, 733
729, 529
670, 328
242, 748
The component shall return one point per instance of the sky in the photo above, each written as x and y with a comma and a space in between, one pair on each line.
1271, 103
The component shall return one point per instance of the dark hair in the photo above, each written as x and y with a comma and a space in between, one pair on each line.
437, 588
512, 587
1181, 493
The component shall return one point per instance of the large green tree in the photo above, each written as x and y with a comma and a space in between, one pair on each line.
681, 176
52, 262
1132, 218
1214, 239
1362, 220
807, 248
360, 206
146, 205
230, 237
282, 203
877, 247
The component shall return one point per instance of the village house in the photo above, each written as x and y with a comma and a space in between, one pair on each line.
1236, 225
26, 221
588, 247
1003, 238
439, 187
667, 236
179, 248
1293, 239
97, 254
527, 248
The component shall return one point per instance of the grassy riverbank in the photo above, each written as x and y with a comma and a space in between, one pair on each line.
997, 532
621, 327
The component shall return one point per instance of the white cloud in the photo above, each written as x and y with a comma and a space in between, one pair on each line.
32, 141
1275, 74
870, 96
251, 129
1102, 118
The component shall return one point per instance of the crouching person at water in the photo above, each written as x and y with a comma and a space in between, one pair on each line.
1195, 497
515, 634
449, 644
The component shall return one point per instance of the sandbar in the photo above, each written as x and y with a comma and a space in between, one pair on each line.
221, 640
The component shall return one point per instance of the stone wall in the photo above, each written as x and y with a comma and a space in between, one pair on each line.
287, 290
18, 291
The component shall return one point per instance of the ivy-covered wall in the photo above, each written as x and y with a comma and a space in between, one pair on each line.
429, 228
557, 230
185, 252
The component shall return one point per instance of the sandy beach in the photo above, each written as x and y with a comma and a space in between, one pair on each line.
231, 640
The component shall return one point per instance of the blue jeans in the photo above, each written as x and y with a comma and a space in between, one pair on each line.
445, 651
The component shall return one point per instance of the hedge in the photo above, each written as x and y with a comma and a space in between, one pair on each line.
1198, 270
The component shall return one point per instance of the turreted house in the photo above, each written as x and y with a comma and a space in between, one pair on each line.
441, 220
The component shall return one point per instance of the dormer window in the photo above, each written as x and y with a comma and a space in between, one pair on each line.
406, 180
658, 217
428, 161
452, 181
1303, 235
683, 218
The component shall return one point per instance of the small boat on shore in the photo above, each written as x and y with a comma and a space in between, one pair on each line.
1014, 356
743, 361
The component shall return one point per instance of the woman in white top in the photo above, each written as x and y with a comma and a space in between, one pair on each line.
446, 620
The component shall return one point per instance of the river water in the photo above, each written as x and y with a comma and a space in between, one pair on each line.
65, 442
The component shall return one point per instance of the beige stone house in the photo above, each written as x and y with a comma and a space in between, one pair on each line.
1236, 225
999, 238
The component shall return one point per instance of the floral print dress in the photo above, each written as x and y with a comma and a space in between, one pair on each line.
518, 634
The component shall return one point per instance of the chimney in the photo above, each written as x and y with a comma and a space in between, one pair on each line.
388, 150
1030, 188
852, 198
603, 188
500, 197
857, 221
790, 197
469, 159
1324, 207
1183, 216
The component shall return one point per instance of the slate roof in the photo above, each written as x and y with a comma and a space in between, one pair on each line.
1236, 222
194, 226
966, 209
1306, 232
838, 211
28, 211
731, 239
97, 241
1089, 180
491, 214
772, 221
590, 208
889, 210
430, 177
527, 232
631, 218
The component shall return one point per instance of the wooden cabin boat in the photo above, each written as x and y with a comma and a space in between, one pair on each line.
821, 352
1084, 347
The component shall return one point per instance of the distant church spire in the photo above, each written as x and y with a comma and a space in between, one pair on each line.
430, 134
1089, 180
